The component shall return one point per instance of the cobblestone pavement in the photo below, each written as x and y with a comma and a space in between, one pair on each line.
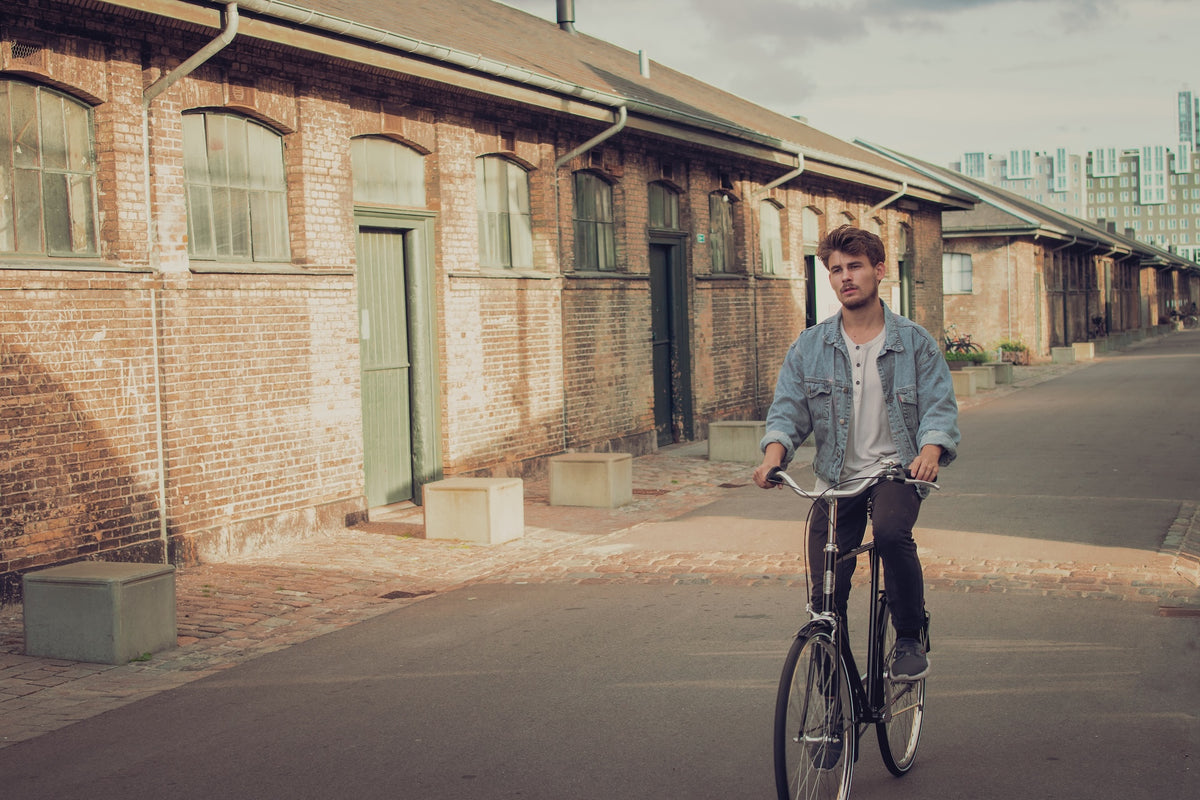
231, 612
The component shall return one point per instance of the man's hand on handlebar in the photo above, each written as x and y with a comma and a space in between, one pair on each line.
772, 458
925, 466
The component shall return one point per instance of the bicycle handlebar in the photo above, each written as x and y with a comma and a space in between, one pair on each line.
891, 472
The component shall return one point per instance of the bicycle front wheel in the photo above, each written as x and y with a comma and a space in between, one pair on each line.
814, 723
903, 707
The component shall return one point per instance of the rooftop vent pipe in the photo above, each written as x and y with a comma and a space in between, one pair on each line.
566, 15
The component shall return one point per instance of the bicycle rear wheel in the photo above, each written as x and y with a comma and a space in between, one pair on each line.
814, 723
903, 706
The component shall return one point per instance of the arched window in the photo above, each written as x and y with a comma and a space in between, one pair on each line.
595, 230
664, 207
47, 172
387, 173
721, 244
236, 189
770, 228
505, 219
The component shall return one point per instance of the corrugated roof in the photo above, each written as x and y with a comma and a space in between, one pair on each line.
504, 35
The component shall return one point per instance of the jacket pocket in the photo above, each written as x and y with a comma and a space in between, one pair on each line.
819, 396
907, 397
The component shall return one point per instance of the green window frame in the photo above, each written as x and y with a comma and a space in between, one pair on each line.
236, 189
770, 230
595, 230
505, 218
720, 232
957, 273
664, 207
387, 173
47, 173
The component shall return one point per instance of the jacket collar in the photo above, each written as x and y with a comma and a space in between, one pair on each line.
891, 330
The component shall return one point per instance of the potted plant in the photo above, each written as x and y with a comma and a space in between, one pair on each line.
1014, 352
958, 360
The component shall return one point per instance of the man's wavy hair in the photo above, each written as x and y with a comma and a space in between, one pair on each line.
854, 242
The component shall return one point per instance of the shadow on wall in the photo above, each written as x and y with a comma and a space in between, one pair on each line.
66, 494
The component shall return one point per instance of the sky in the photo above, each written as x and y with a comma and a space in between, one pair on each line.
930, 78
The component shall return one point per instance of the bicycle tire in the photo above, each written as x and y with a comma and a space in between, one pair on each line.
814, 732
974, 348
903, 706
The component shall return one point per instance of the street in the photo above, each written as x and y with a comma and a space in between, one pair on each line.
544, 688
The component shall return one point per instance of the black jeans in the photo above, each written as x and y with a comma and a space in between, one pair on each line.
894, 509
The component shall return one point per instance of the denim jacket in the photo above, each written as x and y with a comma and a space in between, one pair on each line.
813, 394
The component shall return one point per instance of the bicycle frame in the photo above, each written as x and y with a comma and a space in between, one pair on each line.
867, 699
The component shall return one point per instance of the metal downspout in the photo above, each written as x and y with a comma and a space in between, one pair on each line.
617, 127
903, 191
148, 95
759, 194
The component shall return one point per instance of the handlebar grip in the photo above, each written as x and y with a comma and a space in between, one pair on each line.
773, 475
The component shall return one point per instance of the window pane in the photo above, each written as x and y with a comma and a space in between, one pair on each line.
54, 200
239, 223
195, 149
27, 195
80, 152
522, 240
200, 216
216, 133
26, 148
7, 229
54, 134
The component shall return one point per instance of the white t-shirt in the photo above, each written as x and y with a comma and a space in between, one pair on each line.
870, 439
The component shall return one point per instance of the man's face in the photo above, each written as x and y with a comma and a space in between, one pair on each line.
854, 278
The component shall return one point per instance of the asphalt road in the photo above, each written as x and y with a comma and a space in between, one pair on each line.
666, 691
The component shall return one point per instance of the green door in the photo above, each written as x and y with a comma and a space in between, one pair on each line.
669, 340
386, 387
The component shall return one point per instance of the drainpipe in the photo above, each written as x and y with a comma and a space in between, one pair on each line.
782, 179
759, 194
903, 191
617, 127
148, 96
1065, 315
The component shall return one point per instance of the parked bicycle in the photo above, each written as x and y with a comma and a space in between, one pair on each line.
1099, 329
823, 706
959, 344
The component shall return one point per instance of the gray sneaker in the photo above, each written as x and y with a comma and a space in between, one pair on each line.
909, 662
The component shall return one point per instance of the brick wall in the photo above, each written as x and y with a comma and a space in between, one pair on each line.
251, 374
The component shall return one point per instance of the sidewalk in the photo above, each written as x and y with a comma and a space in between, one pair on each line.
232, 612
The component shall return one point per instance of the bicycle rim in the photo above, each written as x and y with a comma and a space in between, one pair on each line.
903, 709
814, 726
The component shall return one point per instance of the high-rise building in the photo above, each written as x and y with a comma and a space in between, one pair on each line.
1056, 180
1150, 192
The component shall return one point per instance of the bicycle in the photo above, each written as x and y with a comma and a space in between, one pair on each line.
959, 344
815, 743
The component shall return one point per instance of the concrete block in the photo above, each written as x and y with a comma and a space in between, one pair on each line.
985, 376
596, 480
484, 510
1085, 351
736, 440
104, 612
1002, 371
1062, 355
964, 382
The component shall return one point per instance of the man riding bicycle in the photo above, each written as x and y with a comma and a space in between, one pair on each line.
869, 386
